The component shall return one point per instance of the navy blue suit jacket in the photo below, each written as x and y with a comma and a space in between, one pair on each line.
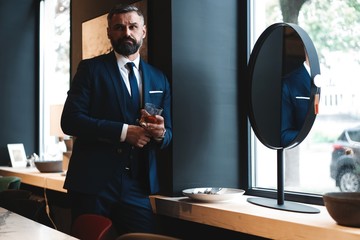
94, 113
295, 103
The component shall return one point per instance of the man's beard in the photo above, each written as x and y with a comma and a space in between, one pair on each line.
123, 47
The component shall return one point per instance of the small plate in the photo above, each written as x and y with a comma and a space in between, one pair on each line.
210, 194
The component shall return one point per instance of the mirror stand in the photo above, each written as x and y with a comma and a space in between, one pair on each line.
280, 203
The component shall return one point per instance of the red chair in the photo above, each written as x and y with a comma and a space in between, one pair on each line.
92, 227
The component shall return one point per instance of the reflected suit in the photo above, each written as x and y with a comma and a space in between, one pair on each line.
295, 103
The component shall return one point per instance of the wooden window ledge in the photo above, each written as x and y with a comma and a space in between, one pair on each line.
241, 216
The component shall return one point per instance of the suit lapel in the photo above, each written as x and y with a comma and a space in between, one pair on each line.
119, 85
117, 81
145, 82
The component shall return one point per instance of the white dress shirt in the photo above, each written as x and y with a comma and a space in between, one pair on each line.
124, 71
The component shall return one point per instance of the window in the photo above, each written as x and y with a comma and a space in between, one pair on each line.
54, 68
311, 167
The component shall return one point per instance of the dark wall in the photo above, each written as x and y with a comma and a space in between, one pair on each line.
19, 76
195, 44
204, 61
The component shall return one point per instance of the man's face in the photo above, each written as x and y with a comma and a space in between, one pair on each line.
126, 32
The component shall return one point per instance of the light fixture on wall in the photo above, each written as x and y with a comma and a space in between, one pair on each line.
55, 150
55, 115
59, 150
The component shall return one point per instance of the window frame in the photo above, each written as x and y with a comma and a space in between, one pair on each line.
246, 140
45, 139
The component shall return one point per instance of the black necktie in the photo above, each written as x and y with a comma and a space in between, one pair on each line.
135, 95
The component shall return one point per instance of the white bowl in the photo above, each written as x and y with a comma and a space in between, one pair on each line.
210, 194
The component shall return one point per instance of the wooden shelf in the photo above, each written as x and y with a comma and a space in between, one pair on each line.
32, 176
241, 216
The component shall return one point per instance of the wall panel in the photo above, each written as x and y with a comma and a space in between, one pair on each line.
19, 76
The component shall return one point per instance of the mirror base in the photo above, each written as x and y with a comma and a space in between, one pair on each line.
287, 206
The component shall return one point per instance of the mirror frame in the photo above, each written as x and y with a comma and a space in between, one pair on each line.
314, 70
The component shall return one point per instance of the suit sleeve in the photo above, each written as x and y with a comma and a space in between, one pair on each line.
84, 102
167, 114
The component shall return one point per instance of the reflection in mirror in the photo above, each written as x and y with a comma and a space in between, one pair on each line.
280, 51
296, 83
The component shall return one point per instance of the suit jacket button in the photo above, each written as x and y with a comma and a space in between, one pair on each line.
119, 150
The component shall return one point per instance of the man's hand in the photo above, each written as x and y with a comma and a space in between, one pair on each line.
157, 128
137, 136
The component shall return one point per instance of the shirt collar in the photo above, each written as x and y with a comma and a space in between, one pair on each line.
307, 67
121, 60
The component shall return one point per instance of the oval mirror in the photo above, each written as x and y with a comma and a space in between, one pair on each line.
283, 96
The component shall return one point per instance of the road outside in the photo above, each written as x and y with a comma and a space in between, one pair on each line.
315, 157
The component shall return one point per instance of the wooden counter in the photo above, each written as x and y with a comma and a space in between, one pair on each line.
32, 176
236, 215
241, 216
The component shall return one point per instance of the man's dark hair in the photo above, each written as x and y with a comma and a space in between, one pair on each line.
120, 8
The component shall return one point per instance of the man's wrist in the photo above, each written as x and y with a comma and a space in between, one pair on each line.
162, 136
124, 132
